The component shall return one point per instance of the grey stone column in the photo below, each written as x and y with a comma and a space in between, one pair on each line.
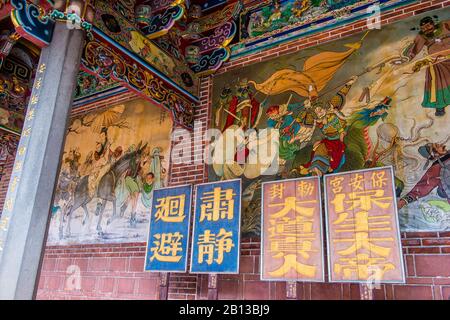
26, 215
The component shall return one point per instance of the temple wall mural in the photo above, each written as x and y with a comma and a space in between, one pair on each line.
113, 160
373, 99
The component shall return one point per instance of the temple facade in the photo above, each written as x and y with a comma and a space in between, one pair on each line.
299, 146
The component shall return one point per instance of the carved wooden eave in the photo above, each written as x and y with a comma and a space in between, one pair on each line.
7, 5
213, 49
118, 57
31, 22
215, 19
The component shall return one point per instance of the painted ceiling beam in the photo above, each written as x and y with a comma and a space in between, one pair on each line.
159, 17
313, 20
119, 32
6, 6
33, 23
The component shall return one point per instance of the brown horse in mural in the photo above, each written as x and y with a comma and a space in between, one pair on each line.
105, 190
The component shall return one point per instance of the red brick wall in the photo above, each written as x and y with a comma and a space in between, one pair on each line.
115, 271
106, 272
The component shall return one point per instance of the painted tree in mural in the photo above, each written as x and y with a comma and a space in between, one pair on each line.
340, 113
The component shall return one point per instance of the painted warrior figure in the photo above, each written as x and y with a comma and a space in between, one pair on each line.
243, 109
435, 37
224, 102
243, 112
328, 154
437, 176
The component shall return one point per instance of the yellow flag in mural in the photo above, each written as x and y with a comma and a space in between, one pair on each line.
317, 72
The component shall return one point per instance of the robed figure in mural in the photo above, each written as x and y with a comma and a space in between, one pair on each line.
435, 37
113, 162
436, 176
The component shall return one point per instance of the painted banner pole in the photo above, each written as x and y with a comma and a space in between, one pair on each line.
212, 287
365, 292
164, 286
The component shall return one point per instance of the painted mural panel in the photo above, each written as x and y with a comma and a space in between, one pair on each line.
374, 99
216, 236
267, 23
113, 160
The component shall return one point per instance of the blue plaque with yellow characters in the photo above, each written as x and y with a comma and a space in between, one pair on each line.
217, 221
167, 244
